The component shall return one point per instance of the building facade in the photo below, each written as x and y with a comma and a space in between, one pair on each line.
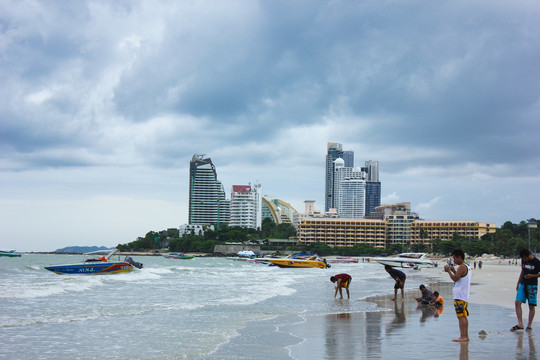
396, 228
278, 210
208, 204
342, 232
334, 151
373, 196
246, 206
351, 199
187, 229
423, 231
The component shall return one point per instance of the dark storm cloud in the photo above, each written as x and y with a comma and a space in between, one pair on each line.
456, 76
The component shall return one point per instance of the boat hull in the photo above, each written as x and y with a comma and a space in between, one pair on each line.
342, 261
182, 257
292, 263
93, 268
9, 254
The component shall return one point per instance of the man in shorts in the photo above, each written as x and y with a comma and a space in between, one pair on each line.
343, 281
461, 290
399, 277
527, 287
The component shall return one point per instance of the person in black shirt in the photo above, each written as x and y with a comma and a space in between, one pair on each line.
400, 278
527, 287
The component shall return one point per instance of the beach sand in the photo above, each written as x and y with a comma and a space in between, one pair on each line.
400, 330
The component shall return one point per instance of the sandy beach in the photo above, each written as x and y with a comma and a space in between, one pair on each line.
401, 330
494, 284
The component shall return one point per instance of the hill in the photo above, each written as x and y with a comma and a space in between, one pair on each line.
82, 249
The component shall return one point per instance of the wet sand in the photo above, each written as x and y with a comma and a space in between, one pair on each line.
400, 330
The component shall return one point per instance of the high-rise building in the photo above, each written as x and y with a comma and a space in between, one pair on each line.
246, 206
373, 195
372, 170
208, 204
373, 186
351, 199
343, 172
334, 151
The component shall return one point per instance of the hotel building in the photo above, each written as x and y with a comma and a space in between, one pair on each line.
424, 231
207, 202
396, 225
246, 208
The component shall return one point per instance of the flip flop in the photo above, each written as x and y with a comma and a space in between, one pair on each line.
514, 328
529, 328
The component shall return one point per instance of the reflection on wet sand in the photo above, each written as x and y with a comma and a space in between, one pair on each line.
519, 347
464, 351
339, 334
398, 322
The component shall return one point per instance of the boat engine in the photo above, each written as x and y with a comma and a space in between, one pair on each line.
138, 265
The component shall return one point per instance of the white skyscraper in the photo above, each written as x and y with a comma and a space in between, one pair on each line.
246, 206
341, 173
351, 198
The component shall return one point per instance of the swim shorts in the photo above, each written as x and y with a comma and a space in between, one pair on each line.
345, 284
527, 293
398, 285
462, 308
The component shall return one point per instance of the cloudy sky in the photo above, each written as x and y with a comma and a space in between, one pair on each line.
103, 104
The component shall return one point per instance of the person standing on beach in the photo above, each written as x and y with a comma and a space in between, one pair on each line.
343, 281
400, 278
527, 287
462, 287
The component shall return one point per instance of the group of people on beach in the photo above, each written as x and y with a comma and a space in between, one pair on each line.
460, 274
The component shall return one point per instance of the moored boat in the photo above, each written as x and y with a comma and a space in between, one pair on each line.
10, 253
343, 260
313, 261
177, 255
102, 265
406, 260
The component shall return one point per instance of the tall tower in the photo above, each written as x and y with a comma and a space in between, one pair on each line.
351, 200
246, 206
334, 151
373, 186
342, 172
207, 202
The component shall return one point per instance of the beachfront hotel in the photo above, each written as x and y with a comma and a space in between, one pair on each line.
342, 232
388, 225
429, 230
246, 209
208, 204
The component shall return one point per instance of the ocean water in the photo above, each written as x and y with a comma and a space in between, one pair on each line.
170, 309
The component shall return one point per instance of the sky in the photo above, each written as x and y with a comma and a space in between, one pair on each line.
104, 103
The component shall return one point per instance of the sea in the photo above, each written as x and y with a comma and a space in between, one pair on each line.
214, 309
170, 309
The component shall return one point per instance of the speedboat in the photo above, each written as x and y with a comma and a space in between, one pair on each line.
313, 261
244, 255
100, 265
406, 260
343, 260
10, 253
177, 255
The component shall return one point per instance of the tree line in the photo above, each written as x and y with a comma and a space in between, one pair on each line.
506, 241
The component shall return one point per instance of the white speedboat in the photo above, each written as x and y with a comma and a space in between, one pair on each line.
406, 260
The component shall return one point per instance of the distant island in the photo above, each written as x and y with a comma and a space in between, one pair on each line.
82, 249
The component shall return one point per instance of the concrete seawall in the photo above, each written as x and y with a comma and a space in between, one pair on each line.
233, 249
